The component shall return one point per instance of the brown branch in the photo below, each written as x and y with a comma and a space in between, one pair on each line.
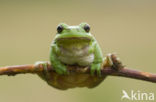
117, 70
130, 73
123, 72
19, 69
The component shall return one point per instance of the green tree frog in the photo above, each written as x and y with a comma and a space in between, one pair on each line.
75, 45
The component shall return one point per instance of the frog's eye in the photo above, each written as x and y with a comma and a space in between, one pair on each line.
87, 28
59, 28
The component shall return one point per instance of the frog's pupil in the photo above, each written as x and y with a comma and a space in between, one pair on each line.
87, 28
59, 29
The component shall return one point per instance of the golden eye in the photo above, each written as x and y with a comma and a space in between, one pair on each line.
87, 28
60, 28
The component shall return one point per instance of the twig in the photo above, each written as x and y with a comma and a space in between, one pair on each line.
19, 69
118, 70
123, 72
130, 73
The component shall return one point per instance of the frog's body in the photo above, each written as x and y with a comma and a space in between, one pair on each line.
73, 80
76, 51
74, 45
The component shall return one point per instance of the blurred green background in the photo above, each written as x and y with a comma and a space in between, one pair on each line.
27, 27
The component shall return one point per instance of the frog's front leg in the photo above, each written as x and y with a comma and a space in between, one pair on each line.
59, 67
98, 59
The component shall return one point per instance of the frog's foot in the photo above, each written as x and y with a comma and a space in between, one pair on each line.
61, 69
111, 60
42, 63
108, 61
96, 67
117, 64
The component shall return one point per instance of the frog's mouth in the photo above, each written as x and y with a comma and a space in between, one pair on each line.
73, 40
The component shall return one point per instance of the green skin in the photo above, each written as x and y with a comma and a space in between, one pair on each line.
75, 46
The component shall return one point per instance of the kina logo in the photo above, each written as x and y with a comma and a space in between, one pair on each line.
137, 96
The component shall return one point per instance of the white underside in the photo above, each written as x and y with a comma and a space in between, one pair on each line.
77, 56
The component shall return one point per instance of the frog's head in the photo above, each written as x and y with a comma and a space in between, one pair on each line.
71, 34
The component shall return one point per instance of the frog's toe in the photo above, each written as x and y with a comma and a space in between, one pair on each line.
92, 71
61, 70
117, 64
42, 63
96, 68
108, 60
